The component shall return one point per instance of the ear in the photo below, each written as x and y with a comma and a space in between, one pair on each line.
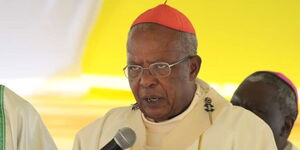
286, 129
195, 64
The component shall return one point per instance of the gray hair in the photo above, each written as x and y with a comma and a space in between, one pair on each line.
286, 96
187, 40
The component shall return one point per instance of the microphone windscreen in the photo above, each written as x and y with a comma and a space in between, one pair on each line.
125, 137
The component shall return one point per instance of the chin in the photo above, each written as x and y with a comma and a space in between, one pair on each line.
155, 116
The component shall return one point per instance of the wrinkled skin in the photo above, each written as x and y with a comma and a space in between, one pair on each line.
175, 92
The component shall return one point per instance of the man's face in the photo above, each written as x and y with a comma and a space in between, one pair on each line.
172, 93
260, 98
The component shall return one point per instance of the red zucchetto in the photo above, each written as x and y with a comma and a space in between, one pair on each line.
166, 16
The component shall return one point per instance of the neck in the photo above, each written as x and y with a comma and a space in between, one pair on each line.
189, 98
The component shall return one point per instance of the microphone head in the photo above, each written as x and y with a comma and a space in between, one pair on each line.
125, 137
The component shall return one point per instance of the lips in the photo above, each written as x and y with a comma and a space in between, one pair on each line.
151, 99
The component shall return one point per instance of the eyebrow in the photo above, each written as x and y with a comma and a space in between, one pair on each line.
154, 61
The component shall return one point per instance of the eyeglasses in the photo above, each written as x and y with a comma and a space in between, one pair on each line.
158, 69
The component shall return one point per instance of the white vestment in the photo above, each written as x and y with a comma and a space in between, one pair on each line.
20, 124
232, 128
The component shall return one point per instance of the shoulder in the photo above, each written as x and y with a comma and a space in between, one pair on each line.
245, 126
92, 135
246, 117
113, 116
22, 119
16, 105
238, 122
227, 114
240, 118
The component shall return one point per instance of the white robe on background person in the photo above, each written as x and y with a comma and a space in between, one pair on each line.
21, 125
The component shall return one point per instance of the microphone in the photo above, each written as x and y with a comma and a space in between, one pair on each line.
124, 138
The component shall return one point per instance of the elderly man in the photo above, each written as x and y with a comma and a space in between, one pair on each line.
272, 97
20, 124
174, 109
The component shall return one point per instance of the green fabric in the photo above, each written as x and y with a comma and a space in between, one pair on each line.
2, 119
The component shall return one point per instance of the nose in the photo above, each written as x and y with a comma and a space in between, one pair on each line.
147, 80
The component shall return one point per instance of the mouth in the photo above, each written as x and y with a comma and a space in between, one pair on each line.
151, 99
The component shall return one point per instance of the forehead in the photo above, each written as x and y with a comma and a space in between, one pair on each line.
153, 41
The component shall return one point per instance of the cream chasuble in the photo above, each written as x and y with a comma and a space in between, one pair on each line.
227, 128
21, 125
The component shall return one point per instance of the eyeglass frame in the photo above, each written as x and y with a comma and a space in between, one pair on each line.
148, 68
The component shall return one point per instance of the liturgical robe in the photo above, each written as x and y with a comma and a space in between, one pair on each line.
226, 127
20, 124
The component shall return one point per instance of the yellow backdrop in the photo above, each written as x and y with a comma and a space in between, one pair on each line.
235, 37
